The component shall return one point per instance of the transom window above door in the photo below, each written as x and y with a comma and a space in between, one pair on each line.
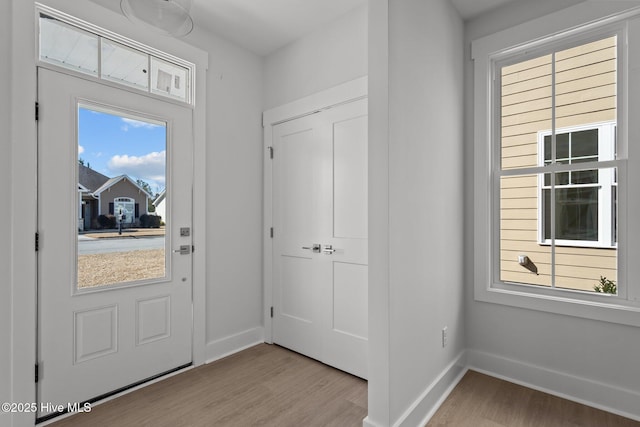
80, 47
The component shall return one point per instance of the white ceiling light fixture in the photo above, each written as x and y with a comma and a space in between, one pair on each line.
170, 17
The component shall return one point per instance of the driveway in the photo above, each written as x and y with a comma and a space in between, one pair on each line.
88, 245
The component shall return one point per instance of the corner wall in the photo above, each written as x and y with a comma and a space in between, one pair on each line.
233, 196
587, 360
424, 256
425, 197
378, 390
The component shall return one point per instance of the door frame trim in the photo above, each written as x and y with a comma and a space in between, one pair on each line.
22, 146
350, 91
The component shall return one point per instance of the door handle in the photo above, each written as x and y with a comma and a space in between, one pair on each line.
328, 249
184, 250
315, 248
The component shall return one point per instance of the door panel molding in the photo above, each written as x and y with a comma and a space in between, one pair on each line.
87, 335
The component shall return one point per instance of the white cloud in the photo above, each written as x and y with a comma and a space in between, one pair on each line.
150, 167
136, 124
80, 149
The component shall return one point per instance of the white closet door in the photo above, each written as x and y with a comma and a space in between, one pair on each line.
320, 242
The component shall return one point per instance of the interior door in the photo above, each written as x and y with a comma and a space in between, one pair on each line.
106, 319
320, 262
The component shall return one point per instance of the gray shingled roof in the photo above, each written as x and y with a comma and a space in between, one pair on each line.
91, 179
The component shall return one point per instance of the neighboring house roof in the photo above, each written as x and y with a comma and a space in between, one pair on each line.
113, 181
160, 197
90, 179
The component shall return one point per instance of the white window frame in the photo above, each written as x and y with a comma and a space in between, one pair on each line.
606, 152
580, 23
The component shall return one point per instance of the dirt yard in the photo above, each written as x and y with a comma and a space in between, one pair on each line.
109, 268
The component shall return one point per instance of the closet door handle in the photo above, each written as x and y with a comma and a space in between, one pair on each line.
315, 248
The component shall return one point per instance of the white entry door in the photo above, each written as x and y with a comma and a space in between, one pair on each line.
320, 262
114, 302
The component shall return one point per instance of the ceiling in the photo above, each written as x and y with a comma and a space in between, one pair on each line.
264, 26
471, 8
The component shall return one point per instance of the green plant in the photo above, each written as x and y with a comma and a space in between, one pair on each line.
606, 286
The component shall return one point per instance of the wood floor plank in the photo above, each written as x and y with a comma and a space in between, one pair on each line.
483, 401
265, 385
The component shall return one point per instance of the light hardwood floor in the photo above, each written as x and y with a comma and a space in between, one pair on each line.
267, 385
483, 401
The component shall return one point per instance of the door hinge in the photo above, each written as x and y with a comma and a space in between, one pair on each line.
37, 370
37, 242
271, 232
37, 111
271, 311
193, 248
270, 152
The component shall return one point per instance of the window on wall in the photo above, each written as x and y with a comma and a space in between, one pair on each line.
584, 201
555, 175
556, 159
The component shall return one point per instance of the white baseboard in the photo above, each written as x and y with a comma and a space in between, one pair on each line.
227, 346
588, 392
421, 411
368, 423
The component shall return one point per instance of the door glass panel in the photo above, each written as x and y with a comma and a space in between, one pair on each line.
121, 198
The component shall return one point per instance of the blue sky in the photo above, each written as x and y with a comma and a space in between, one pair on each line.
114, 145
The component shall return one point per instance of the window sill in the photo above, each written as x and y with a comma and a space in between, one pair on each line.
615, 310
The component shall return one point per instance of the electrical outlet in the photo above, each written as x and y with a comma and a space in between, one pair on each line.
444, 337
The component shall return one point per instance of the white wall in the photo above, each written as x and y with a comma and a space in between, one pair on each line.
378, 390
560, 350
335, 54
425, 207
5, 214
234, 194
